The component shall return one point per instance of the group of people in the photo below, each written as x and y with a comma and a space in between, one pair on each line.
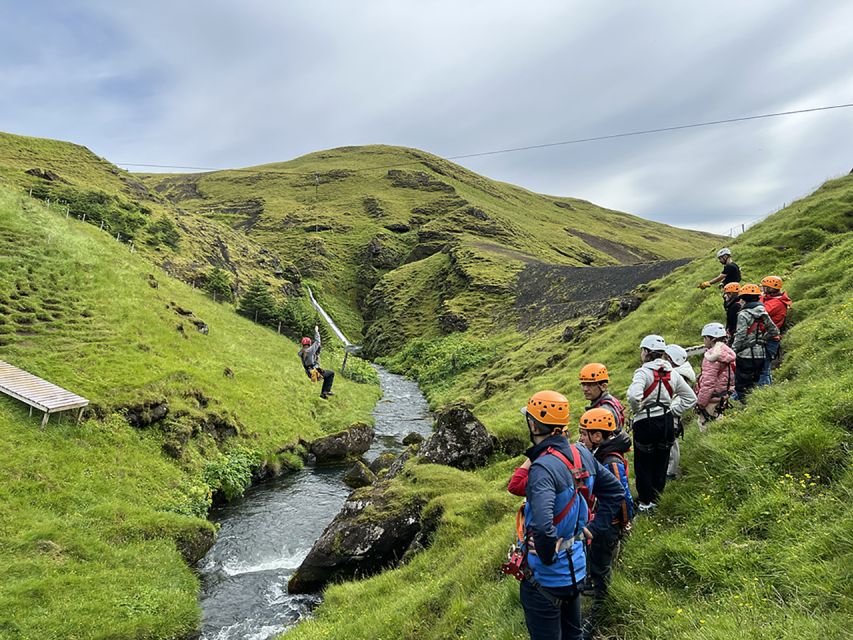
578, 502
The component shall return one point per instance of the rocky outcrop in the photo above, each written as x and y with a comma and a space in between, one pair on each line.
359, 476
374, 530
460, 440
345, 444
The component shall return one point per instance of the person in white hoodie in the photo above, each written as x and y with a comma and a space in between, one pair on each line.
677, 357
657, 396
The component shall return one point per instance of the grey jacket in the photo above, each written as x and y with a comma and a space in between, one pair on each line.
750, 344
682, 399
311, 355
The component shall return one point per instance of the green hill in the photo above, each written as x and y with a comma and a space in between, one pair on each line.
388, 233
754, 541
100, 519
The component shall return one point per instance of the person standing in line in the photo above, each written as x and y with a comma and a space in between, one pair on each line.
717, 379
599, 434
594, 380
754, 329
657, 395
730, 272
777, 303
310, 356
732, 305
677, 357
554, 523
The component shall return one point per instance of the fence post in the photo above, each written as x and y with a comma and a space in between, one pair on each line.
101, 228
31, 192
132, 248
344, 364
279, 326
84, 217
118, 237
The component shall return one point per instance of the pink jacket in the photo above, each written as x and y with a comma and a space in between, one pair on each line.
716, 377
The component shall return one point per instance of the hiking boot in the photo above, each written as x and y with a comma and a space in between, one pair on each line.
324, 396
330, 393
646, 508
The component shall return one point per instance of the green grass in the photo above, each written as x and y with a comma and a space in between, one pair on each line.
754, 541
95, 516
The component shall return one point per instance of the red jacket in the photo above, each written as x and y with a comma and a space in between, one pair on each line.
518, 482
777, 307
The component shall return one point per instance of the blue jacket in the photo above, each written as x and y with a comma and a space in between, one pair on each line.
550, 487
620, 443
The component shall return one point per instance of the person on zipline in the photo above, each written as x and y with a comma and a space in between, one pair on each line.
310, 355
730, 273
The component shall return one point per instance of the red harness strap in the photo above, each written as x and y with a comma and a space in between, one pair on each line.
660, 378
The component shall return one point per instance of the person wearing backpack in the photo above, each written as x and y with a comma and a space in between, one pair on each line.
594, 380
554, 523
609, 444
310, 356
657, 396
754, 329
677, 357
731, 305
730, 273
716, 381
776, 302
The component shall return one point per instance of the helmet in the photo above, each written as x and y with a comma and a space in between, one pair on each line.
677, 354
750, 290
714, 330
653, 343
774, 282
732, 287
306, 341
725, 251
548, 407
598, 419
594, 372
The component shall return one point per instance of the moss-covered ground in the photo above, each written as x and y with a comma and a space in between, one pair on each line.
753, 541
98, 518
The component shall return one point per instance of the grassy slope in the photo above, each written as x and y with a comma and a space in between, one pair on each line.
755, 540
92, 514
202, 243
328, 190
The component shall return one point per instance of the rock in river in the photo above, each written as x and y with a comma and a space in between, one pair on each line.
345, 444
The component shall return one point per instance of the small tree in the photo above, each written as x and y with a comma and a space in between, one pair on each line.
218, 284
257, 303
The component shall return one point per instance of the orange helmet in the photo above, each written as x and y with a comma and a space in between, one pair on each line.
750, 290
548, 407
594, 372
732, 287
774, 282
598, 419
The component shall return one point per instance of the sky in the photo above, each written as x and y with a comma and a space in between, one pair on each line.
218, 83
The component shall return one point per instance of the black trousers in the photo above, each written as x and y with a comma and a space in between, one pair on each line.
547, 622
653, 438
328, 378
747, 373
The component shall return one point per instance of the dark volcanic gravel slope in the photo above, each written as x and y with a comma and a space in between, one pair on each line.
549, 293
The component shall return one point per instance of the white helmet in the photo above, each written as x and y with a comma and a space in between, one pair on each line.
725, 251
714, 330
677, 354
653, 343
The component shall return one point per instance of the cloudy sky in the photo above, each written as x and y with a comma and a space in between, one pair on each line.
218, 83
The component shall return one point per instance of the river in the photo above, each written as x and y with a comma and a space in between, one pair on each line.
265, 535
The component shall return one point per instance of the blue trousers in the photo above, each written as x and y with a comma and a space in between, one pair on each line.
770, 351
547, 622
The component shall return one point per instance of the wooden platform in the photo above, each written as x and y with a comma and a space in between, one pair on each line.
39, 394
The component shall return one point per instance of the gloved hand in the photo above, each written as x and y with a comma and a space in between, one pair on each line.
704, 285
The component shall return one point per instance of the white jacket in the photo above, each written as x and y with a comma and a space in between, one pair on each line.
682, 399
685, 370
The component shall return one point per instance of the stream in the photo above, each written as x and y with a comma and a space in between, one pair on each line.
265, 535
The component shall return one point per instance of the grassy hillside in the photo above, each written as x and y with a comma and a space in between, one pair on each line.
754, 541
349, 216
100, 519
187, 246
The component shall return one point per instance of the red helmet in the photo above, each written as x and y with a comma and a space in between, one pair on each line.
306, 341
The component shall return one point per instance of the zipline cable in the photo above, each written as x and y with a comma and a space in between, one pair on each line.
546, 145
